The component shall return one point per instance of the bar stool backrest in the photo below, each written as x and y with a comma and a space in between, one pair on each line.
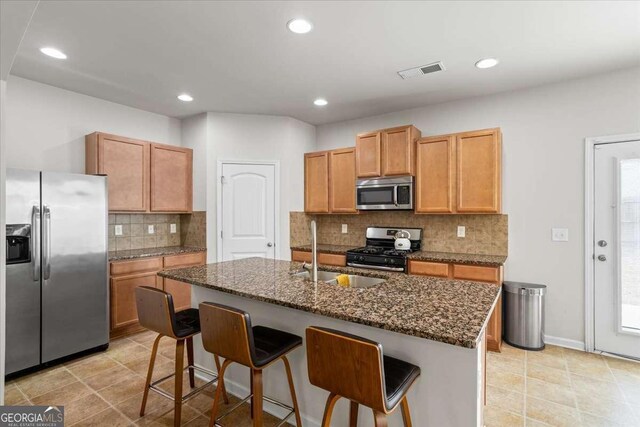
155, 310
347, 365
226, 331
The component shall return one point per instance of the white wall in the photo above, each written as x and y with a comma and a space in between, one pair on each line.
194, 136
543, 162
258, 137
46, 125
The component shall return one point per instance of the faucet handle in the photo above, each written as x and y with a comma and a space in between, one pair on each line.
306, 266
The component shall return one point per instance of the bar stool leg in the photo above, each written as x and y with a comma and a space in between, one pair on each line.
216, 399
257, 397
251, 392
152, 361
379, 419
192, 379
220, 380
406, 415
296, 411
353, 414
328, 409
177, 396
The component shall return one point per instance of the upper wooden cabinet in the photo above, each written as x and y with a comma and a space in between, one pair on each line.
388, 152
459, 173
316, 182
171, 178
368, 155
126, 162
342, 181
330, 181
398, 149
142, 176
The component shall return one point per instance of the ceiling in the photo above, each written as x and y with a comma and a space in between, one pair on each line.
240, 57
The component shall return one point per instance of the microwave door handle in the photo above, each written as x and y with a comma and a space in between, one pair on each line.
395, 195
35, 243
46, 257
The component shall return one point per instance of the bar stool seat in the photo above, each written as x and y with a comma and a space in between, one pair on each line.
398, 378
186, 322
270, 344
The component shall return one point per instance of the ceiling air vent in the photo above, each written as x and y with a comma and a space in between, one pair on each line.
424, 69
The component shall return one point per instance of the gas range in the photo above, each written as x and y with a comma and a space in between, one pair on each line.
379, 252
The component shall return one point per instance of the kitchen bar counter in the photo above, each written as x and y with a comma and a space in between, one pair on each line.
152, 252
450, 311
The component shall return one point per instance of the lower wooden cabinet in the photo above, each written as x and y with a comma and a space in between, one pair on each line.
127, 275
476, 273
323, 258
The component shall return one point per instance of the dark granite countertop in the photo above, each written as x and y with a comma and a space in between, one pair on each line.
152, 252
472, 259
327, 249
449, 311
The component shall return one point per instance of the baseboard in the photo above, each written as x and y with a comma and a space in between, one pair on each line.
241, 392
564, 342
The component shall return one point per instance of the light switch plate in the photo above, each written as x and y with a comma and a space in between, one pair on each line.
151, 229
344, 228
560, 234
462, 231
118, 230
173, 229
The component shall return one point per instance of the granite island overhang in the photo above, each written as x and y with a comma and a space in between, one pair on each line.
437, 324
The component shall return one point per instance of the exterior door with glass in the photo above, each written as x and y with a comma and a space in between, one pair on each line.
616, 248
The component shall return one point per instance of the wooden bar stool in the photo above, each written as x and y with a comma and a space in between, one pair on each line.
354, 368
156, 313
227, 331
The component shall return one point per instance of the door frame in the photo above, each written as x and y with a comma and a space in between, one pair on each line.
589, 225
276, 214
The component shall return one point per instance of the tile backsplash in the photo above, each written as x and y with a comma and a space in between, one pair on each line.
485, 234
193, 229
135, 231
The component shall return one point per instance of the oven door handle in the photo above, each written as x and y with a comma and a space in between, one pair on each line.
375, 267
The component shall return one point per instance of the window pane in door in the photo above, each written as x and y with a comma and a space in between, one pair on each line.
630, 243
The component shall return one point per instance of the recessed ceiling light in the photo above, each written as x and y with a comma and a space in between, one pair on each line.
185, 97
299, 26
320, 102
53, 52
487, 63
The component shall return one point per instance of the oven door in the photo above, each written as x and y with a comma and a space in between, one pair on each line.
381, 195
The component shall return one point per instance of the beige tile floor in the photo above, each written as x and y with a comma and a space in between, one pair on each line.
561, 387
554, 387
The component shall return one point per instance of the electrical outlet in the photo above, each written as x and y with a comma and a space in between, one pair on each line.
560, 234
462, 231
173, 229
344, 228
118, 230
151, 229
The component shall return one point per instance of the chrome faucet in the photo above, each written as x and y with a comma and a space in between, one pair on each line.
314, 253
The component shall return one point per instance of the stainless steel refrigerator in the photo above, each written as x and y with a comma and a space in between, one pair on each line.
57, 290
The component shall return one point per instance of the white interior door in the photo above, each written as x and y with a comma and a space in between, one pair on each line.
248, 211
617, 248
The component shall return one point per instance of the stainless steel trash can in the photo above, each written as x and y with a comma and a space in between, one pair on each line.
524, 315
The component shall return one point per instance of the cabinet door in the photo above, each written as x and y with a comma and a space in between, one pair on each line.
435, 174
181, 293
126, 163
171, 178
316, 182
478, 157
342, 191
368, 155
123, 298
398, 150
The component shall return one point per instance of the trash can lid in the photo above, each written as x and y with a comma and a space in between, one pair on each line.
531, 288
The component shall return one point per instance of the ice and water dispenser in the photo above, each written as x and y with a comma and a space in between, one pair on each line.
18, 243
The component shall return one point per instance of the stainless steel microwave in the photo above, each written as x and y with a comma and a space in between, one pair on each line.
385, 193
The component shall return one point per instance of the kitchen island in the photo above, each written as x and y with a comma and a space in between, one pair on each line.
437, 324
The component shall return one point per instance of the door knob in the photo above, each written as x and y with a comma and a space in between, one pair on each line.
269, 244
602, 258
602, 243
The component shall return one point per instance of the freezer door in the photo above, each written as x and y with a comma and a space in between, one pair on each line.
23, 280
74, 264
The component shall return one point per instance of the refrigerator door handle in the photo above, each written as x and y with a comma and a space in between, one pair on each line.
46, 231
35, 243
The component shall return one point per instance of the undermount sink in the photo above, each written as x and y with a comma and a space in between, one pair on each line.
355, 281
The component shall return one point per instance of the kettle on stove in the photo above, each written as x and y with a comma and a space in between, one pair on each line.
402, 242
